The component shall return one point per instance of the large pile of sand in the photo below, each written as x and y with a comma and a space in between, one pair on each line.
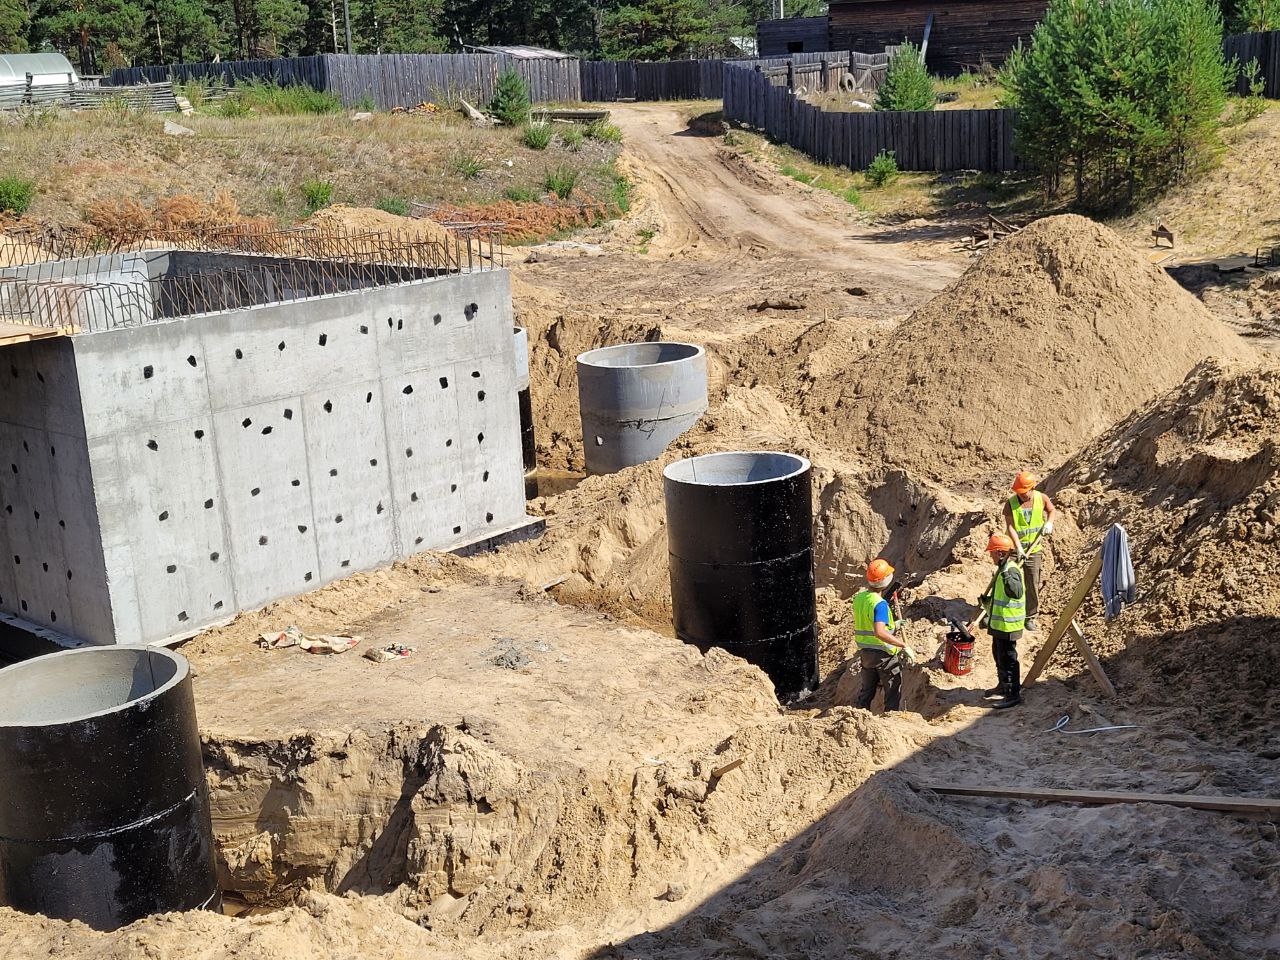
1195, 479
1055, 335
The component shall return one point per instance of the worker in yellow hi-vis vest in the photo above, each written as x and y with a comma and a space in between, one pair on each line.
1028, 520
881, 651
1003, 610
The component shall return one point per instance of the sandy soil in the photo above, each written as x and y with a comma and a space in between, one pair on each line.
539, 779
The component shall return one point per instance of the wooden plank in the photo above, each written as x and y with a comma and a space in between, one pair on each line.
23, 333
1255, 805
1059, 630
1100, 675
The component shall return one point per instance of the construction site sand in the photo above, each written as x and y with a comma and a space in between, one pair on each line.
816, 846
1048, 340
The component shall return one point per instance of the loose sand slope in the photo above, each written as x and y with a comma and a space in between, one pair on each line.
1060, 326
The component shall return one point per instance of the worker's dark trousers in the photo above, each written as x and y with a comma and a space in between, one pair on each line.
1004, 649
879, 669
1031, 579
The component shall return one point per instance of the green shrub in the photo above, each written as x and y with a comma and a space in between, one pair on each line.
316, 194
787, 170
561, 181
907, 85
604, 131
732, 139
365, 104
466, 165
233, 107
536, 136
883, 169
521, 194
572, 137
510, 102
394, 205
16, 194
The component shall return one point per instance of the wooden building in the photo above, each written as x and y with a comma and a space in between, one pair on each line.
964, 34
778, 38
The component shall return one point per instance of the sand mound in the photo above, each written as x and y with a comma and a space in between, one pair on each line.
1195, 479
345, 219
1060, 325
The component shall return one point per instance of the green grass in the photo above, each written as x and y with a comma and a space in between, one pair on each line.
394, 205
621, 188
536, 136
466, 165
787, 170
316, 194
269, 99
604, 131
16, 194
521, 195
561, 181
572, 137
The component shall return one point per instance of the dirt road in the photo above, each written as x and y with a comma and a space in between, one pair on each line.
711, 201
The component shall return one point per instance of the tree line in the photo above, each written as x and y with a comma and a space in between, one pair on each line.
98, 35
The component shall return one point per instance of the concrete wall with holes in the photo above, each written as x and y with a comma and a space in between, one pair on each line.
223, 461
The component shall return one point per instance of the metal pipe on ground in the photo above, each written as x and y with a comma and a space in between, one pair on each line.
740, 540
104, 816
635, 398
528, 444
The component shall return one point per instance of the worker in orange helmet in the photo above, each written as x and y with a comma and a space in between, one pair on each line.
1028, 520
880, 651
1004, 611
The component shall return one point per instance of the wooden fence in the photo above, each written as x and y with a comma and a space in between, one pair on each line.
920, 140
610, 80
388, 79
1262, 47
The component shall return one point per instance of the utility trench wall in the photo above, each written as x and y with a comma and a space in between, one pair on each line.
211, 464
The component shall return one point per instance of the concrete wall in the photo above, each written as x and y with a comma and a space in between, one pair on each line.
52, 572
240, 457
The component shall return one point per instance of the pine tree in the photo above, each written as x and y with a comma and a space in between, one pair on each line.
15, 22
85, 29
510, 102
907, 85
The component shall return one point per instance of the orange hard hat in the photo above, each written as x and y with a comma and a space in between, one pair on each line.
1025, 482
999, 542
879, 571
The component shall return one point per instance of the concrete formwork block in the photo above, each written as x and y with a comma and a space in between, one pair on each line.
350, 479
271, 352
635, 398
140, 375
266, 492
424, 443
160, 506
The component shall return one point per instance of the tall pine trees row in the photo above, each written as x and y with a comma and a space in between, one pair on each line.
100, 34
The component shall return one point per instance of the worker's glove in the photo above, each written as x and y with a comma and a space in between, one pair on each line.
908, 655
1022, 551
1048, 527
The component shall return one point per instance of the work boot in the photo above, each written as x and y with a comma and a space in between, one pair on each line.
1001, 689
1031, 623
1012, 696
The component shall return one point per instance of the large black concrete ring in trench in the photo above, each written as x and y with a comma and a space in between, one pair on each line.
740, 535
635, 398
104, 814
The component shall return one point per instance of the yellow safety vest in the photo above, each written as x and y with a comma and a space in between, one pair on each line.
1006, 614
864, 621
1029, 529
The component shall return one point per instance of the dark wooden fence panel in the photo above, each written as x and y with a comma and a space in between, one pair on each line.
388, 79
1261, 47
932, 140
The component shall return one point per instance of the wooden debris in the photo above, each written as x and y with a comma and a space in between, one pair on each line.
719, 772
1258, 805
1159, 233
